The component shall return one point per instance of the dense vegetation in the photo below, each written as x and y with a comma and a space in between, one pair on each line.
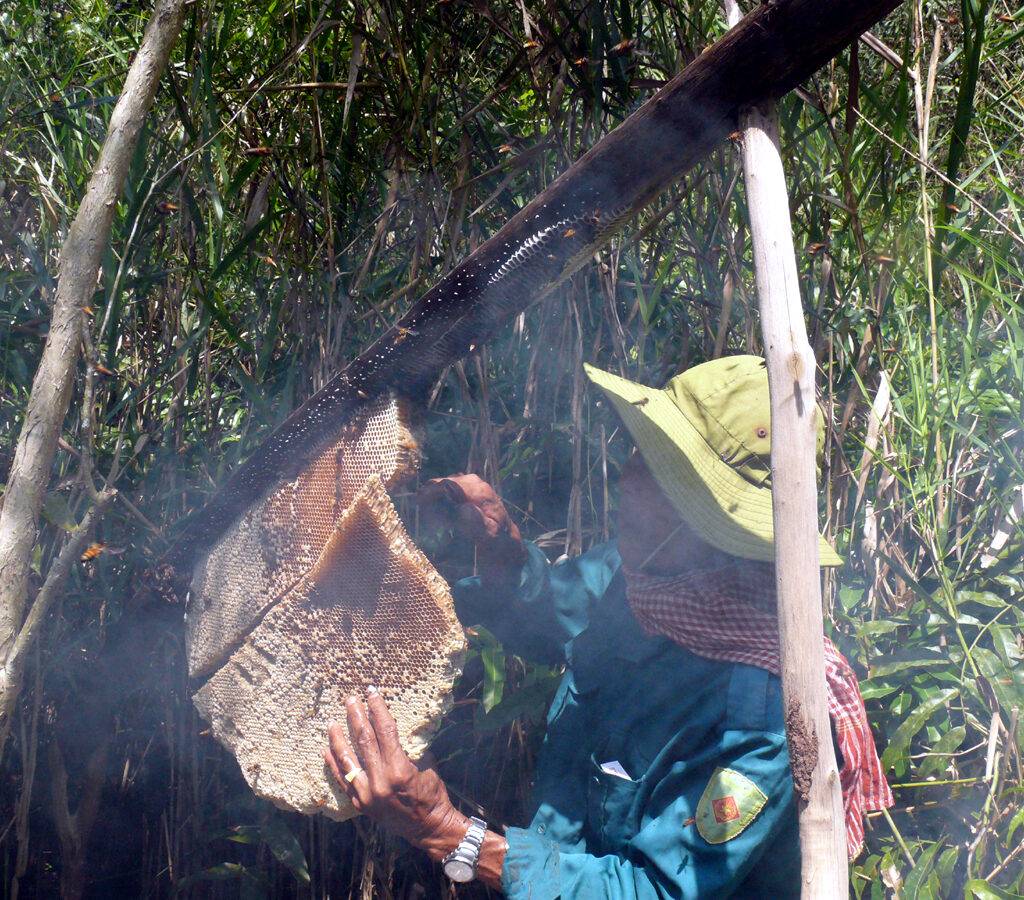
306, 171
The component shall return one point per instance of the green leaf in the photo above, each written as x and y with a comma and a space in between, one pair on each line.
1015, 823
900, 740
914, 885
286, 848
494, 676
57, 512
903, 660
529, 701
942, 749
279, 840
982, 890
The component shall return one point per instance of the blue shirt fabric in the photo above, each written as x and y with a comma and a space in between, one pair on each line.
668, 717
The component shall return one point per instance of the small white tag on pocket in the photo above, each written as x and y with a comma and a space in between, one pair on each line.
614, 767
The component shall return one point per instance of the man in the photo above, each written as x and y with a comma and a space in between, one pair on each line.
664, 770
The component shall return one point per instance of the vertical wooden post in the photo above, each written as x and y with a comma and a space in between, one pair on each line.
791, 371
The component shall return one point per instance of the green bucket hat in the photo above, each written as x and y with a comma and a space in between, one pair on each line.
706, 439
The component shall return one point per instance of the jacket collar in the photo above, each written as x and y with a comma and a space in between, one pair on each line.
613, 633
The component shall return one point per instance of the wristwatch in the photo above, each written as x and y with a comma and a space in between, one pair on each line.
460, 864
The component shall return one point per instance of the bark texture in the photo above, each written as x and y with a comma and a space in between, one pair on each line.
77, 269
791, 377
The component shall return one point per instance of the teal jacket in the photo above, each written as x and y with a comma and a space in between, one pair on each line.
669, 719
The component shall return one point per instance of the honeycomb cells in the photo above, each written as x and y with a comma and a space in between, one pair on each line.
369, 609
280, 537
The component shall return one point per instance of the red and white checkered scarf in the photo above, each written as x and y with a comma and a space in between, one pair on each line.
729, 614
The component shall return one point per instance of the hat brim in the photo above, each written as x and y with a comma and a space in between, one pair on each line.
723, 507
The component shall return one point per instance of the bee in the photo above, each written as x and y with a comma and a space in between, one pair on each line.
92, 551
166, 207
624, 46
641, 402
403, 333
531, 45
580, 61
103, 370
258, 151
505, 148
736, 136
569, 232
816, 248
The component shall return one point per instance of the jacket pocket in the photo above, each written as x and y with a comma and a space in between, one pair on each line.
612, 809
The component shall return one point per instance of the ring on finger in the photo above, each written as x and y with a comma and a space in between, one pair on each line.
354, 774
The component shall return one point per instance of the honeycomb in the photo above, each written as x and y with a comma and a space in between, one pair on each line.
279, 538
371, 611
367, 609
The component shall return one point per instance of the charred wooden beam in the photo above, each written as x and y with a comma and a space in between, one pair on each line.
767, 54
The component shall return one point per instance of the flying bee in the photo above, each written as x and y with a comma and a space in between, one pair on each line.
569, 232
92, 551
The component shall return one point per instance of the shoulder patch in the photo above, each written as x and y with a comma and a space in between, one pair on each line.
730, 802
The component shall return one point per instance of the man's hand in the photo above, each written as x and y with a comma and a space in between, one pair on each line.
475, 511
384, 784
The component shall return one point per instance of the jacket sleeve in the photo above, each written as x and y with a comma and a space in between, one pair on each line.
671, 855
549, 606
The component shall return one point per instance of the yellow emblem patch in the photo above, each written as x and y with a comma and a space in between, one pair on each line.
730, 802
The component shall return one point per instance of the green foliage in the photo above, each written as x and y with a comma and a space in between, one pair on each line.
276, 218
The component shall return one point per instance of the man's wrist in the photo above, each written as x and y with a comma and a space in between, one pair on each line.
501, 559
445, 838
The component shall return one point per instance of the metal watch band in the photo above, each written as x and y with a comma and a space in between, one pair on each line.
461, 863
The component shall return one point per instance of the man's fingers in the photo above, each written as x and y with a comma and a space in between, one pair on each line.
333, 766
472, 522
439, 490
383, 722
363, 738
342, 761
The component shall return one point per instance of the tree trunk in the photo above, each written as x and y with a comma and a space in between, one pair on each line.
77, 269
791, 371
73, 828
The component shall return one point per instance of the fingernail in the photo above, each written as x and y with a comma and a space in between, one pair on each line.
351, 699
371, 690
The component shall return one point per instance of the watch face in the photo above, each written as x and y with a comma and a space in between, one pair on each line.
458, 870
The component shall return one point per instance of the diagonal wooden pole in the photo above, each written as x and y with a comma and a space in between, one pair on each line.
791, 384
